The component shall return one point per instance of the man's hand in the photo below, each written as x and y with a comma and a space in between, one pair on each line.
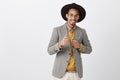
76, 44
64, 41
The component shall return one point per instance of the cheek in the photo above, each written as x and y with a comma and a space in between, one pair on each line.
77, 18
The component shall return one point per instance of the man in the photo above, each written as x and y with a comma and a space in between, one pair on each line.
68, 42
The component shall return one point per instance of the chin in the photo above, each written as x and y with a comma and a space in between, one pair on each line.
73, 24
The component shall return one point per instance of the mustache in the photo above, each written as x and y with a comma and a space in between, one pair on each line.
73, 20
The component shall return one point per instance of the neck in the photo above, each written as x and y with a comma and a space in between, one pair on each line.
71, 26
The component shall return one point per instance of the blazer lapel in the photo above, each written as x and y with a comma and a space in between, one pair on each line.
78, 33
64, 30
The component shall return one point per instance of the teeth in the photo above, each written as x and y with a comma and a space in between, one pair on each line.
73, 21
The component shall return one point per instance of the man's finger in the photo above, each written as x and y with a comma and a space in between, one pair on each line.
75, 40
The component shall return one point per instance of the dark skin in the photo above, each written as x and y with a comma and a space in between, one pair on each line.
72, 18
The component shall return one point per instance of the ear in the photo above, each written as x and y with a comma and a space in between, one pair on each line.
66, 15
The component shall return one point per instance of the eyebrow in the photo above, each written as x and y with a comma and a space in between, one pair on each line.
72, 13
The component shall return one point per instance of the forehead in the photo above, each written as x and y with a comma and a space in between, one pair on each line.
75, 11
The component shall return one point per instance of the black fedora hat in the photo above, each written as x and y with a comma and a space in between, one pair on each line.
66, 8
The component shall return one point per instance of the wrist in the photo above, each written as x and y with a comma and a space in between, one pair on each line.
81, 48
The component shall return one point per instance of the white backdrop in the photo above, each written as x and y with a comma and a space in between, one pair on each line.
26, 27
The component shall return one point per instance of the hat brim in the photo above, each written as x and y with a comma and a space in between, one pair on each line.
66, 8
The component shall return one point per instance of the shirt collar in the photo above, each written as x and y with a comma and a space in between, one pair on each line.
70, 29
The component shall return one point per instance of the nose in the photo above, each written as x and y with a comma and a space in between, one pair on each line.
73, 17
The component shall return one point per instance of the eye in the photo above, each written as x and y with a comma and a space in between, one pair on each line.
71, 15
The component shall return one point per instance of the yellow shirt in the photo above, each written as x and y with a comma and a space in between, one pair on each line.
71, 65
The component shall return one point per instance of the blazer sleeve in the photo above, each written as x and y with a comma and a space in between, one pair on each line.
86, 43
53, 43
